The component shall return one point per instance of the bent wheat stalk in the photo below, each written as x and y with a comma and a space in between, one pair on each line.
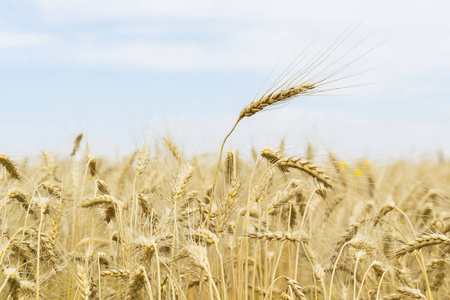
277, 97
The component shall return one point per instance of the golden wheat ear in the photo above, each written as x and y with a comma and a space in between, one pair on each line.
311, 79
173, 150
76, 143
9, 165
422, 242
274, 98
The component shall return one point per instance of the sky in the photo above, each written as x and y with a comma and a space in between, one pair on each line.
127, 73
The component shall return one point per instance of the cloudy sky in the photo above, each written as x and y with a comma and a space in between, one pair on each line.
126, 72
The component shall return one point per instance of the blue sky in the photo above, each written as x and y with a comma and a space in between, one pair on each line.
126, 72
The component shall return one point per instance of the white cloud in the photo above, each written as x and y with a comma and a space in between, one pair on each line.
243, 35
158, 56
321, 11
213, 48
63, 11
253, 35
20, 40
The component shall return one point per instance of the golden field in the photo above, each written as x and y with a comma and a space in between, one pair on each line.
278, 226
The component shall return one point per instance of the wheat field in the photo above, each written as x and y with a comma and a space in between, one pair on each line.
280, 227
164, 224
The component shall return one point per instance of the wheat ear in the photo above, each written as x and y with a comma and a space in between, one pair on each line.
410, 292
87, 288
279, 236
143, 159
50, 162
116, 273
174, 150
76, 144
102, 187
137, 282
20, 197
421, 242
9, 165
276, 97
284, 163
